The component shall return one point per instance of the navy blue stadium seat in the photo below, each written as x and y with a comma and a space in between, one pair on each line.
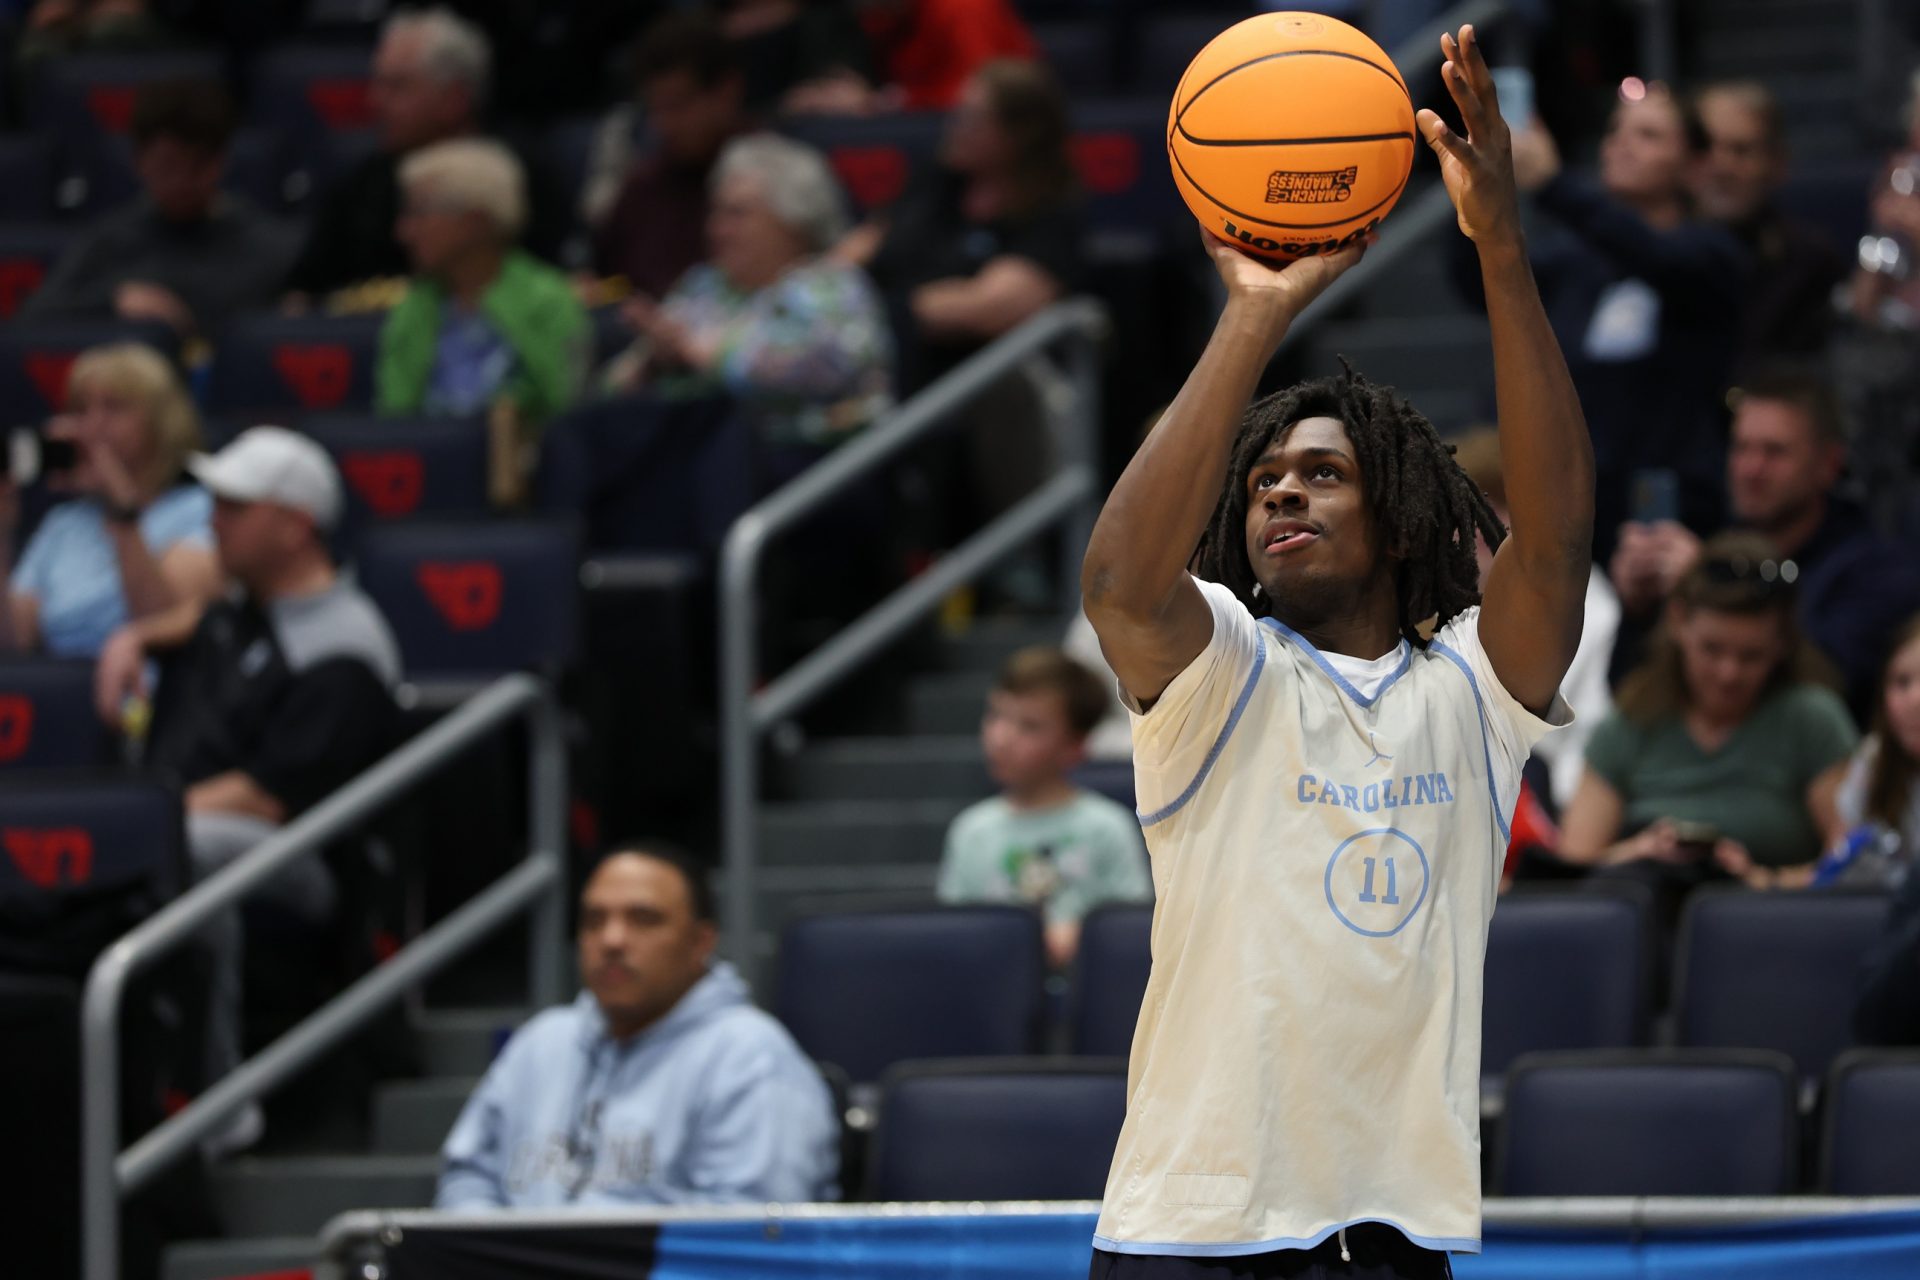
1774, 970
84, 103
876, 157
274, 364
46, 715
36, 358
26, 178
867, 989
28, 251
1872, 1115
1119, 150
1565, 970
998, 1129
395, 468
1831, 198
306, 93
475, 599
62, 836
1654, 1123
1110, 978
1167, 41
1081, 50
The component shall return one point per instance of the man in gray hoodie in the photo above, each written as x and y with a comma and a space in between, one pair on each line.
660, 1084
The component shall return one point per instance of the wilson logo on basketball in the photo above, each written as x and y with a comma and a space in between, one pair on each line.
1328, 187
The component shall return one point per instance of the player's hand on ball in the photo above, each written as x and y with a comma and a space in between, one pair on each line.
1477, 168
1289, 286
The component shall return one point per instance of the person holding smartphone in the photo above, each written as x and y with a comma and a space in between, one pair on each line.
131, 545
1728, 743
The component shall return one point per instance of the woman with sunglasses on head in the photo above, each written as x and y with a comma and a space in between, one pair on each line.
1726, 746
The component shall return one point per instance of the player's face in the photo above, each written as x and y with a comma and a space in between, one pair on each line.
641, 947
1027, 739
1726, 659
1309, 527
1777, 467
1903, 696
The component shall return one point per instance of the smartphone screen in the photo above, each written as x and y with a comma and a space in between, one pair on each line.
1655, 495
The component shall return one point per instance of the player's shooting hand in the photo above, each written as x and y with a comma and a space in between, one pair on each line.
1477, 168
1286, 288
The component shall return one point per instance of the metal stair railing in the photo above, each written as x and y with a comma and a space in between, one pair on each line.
537, 885
1066, 499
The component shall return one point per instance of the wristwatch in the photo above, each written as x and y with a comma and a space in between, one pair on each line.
119, 512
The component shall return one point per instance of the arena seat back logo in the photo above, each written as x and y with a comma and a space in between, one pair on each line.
51, 856
16, 726
320, 374
389, 481
465, 593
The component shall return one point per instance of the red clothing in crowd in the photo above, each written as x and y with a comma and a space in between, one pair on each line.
930, 47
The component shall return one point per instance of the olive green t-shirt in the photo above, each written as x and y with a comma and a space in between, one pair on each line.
1065, 860
1752, 789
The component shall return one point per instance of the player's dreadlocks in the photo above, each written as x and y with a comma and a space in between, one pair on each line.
1422, 501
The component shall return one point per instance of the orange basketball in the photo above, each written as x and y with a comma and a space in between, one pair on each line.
1291, 134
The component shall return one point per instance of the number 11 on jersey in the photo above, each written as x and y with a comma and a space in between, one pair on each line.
1392, 897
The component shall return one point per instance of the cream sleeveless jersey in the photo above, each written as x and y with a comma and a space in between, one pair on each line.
1324, 866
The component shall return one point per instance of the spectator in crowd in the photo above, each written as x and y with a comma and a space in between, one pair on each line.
993, 239
990, 240
929, 50
55, 28
185, 252
800, 56
1880, 791
133, 546
279, 697
694, 97
1642, 295
430, 76
1727, 745
793, 335
484, 328
660, 1084
1043, 840
1585, 686
1789, 311
1788, 454
1885, 291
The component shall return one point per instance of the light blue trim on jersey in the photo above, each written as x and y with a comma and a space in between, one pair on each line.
1240, 1249
1406, 661
1219, 743
1499, 813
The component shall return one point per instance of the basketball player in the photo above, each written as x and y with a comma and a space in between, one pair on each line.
1325, 790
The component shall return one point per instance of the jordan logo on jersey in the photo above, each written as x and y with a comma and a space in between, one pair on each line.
1404, 792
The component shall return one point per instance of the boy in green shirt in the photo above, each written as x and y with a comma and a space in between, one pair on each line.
1043, 840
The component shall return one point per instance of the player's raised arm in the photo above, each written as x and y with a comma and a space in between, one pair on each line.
1533, 599
1134, 585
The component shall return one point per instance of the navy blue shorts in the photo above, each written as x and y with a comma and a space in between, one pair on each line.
1379, 1253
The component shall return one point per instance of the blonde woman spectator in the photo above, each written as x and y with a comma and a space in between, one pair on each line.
133, 545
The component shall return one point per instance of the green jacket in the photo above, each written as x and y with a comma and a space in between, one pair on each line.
530, 305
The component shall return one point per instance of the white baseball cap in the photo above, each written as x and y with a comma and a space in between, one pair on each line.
273, 464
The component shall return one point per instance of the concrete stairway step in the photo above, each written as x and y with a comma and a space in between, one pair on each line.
854, 832
413, 1117
987, 642
883, 768
462, 1042
949, 704
785, 892
298, 1195
228, 1259
1408, 352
